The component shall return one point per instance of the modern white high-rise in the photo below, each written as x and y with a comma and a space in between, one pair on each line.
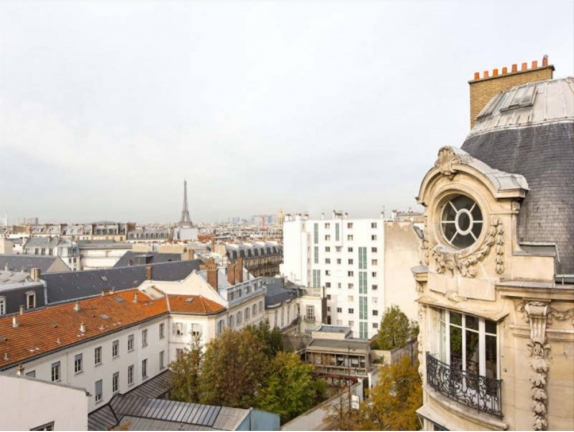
363, 264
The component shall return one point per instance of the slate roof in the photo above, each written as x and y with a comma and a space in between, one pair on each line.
26, 263
536, 141
58, 327
45, 242
193, 304
148, 257
69, 286
277, 292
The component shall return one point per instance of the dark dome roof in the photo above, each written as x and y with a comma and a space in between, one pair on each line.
529, 130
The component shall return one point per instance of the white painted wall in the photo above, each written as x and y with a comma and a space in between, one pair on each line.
388, 266
26, 405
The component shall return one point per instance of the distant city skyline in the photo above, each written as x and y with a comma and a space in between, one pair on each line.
105, 108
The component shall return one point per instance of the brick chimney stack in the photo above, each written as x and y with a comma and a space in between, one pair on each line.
483, 89
231, 273
35, 274
239, 270
212, 273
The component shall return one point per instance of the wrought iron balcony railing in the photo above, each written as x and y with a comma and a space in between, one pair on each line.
470, 389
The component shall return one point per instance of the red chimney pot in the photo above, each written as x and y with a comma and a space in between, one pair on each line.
514, 68
534, 64
477, 75
504, 70
524, 66
545, 61
495, 72
485, 75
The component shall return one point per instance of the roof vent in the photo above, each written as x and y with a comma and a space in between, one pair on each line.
83, 328
119, 299
189, 299
105, 317
77, 307
135, 297
21, 309
14, 321
6, 358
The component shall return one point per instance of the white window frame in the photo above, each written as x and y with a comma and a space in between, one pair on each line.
99, 395
98, 356
131, 342
30, 294
115, 382
56, 371
116, 348
78, 363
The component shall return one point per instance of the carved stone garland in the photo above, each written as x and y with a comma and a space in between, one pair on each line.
540, 315
453, 261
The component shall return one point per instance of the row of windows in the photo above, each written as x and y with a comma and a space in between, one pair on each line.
339, 322
350, 273
350, 285
349, 225
238, 318
350, 237
349, 249
350, 261
351, 310
30, 302
351, 299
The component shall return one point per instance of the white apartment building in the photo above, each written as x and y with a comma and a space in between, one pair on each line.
362, 271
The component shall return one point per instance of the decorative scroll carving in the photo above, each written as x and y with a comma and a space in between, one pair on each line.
553, 314
425, 245
465, 264
446, 159
454, 297
537, 314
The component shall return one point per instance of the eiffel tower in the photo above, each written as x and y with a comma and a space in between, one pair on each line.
185, 221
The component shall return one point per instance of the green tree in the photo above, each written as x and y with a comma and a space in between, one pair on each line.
394, 400
187, 371
271, 339
289, 388
234, 369
395, 330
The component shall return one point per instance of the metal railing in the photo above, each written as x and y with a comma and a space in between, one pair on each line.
470, 389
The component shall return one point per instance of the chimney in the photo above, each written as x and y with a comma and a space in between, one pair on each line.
482, 90
135, 297
82, 328
21, 309
231, 273
77, 306
35, 274
149, 272
15, 321
191, 254
239, 270
212, 273
20, 370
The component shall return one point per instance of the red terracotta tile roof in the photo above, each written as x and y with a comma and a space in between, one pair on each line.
193, 304
57, 327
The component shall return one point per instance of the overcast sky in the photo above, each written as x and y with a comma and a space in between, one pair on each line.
105, 108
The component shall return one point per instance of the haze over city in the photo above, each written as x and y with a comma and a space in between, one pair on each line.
106, 108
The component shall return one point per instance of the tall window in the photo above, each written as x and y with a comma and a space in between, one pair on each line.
316, 233
316, 255
144, 338
310, 312
363, 306
317, 278
98, 356
362, 258
99, 391
78, 363
115, 348
363, 330
30, 300
162, 360
161, 330
468, 343
144, 369
115, 382
130, 342
337, 232
56, 372
362, 282
2, 305
130, 375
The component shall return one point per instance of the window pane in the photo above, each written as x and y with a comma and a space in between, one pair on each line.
471, 322
456, 318
491, 356
490, 326
472, 352
456, 347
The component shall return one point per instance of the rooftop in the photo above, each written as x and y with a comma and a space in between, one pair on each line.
58, 327
25, 263
193, 304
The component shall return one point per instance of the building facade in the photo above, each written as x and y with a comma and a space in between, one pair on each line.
361, 271
496, 291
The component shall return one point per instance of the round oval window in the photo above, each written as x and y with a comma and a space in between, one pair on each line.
461, 221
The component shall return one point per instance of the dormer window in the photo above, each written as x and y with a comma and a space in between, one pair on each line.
30, 300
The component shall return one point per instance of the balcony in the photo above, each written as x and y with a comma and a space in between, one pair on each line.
310, 318
475, 391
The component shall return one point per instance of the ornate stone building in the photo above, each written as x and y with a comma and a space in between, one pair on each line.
496, 284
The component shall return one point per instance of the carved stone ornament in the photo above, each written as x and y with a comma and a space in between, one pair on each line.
537, 314
446, 159
464, 264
